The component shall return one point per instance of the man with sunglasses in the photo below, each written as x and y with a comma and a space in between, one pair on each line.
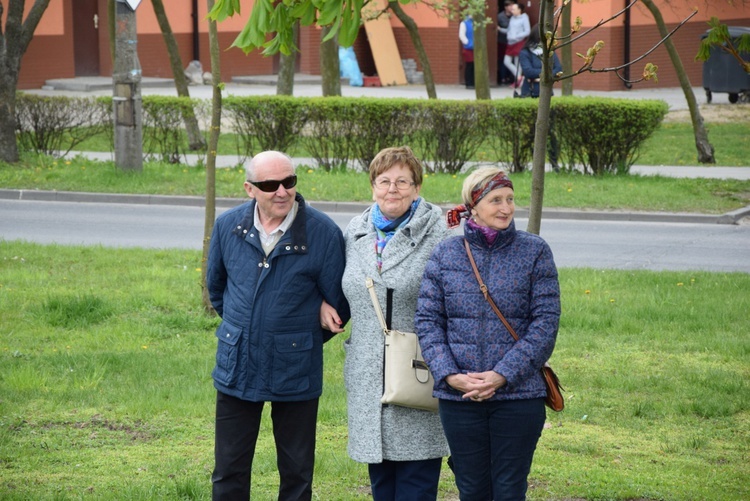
274, 277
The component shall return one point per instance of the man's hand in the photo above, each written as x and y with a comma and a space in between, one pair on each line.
329, 318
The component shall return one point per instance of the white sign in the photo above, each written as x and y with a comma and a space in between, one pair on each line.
133, 4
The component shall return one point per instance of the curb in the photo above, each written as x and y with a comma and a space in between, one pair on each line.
356, 207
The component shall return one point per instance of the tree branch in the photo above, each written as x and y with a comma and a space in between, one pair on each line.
599, 24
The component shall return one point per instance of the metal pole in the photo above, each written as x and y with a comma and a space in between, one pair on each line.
126, 100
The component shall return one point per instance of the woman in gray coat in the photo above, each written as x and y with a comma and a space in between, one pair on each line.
390, 242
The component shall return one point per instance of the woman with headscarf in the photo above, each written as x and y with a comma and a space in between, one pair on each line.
490, 388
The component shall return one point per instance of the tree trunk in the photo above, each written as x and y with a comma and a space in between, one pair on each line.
329, 65
546, 11
702, 145
195, 138
566, 52
285, 81
481, 59
14, 41
416, 40
213, 142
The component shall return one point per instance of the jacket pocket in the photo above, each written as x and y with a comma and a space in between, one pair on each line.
227, 354
292, 361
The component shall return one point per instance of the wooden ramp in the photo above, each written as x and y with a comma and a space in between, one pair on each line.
384, 49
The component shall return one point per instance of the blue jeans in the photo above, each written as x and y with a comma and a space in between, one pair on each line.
492, 445
405, 480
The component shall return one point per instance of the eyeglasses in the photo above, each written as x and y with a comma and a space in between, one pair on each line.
385, 184
272, 185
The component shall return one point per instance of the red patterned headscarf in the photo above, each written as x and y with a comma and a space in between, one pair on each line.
463, 211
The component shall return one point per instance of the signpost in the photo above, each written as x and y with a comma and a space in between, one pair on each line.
126, 99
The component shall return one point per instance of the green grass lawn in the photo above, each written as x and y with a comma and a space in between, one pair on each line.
563, 190
105, 388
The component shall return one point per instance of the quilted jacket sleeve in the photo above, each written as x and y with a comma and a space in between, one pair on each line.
431, 322
216, 272
530, 353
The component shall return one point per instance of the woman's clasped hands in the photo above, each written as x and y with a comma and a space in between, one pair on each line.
477, 386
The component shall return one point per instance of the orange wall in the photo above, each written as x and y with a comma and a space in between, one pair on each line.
673, 11
180, 17
52, 21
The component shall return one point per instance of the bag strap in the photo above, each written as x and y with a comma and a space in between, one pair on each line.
375, 303
486, 293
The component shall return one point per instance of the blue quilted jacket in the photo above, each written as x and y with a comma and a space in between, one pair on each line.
459, 332
270, 343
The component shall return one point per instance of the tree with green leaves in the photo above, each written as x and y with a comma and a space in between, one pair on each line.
15, 37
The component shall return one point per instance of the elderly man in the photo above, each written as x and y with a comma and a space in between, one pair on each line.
274, 277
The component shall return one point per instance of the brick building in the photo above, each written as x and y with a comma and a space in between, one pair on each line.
72, 39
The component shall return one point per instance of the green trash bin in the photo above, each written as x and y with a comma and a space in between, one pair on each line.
723, 73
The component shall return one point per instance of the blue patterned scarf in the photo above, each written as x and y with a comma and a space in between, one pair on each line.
386, 228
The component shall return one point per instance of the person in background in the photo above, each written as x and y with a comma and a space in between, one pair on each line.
466, 35
518, 29
503, 19
274, 277
390, 243
490, 386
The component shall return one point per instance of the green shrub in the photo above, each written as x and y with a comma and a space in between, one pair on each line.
266, 122
604, 134
54, 125
450, 132
163, 133
331, 127
511, 132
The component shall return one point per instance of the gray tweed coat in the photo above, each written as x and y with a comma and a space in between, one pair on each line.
378, 432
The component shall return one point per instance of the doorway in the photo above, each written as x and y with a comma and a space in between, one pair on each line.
86, 37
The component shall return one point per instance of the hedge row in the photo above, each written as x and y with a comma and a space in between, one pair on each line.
596, 135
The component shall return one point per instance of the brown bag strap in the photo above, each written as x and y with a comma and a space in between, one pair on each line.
486, 293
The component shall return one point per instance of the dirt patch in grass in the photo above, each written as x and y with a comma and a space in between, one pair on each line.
714, 113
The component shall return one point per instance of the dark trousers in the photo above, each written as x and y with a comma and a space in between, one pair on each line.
237, 427
492, 445
405, 480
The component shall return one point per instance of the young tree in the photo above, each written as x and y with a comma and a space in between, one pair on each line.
702, 144
718, 36
15, 37
213, 144
477, 9
195, 138
416, 39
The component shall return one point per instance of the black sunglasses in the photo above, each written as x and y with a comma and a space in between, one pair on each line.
272, 185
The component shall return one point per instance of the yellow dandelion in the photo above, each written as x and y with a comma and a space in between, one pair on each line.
67, 162
454, 176
197, 269
309, 171
570, 190
145, 347
680, 284
612, 300
588, 291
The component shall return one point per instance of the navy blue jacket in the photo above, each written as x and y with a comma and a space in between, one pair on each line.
270, 342
458, 330
531, 67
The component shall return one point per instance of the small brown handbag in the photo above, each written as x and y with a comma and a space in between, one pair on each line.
554, 399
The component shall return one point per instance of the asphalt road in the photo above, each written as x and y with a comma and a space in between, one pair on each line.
596, 244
